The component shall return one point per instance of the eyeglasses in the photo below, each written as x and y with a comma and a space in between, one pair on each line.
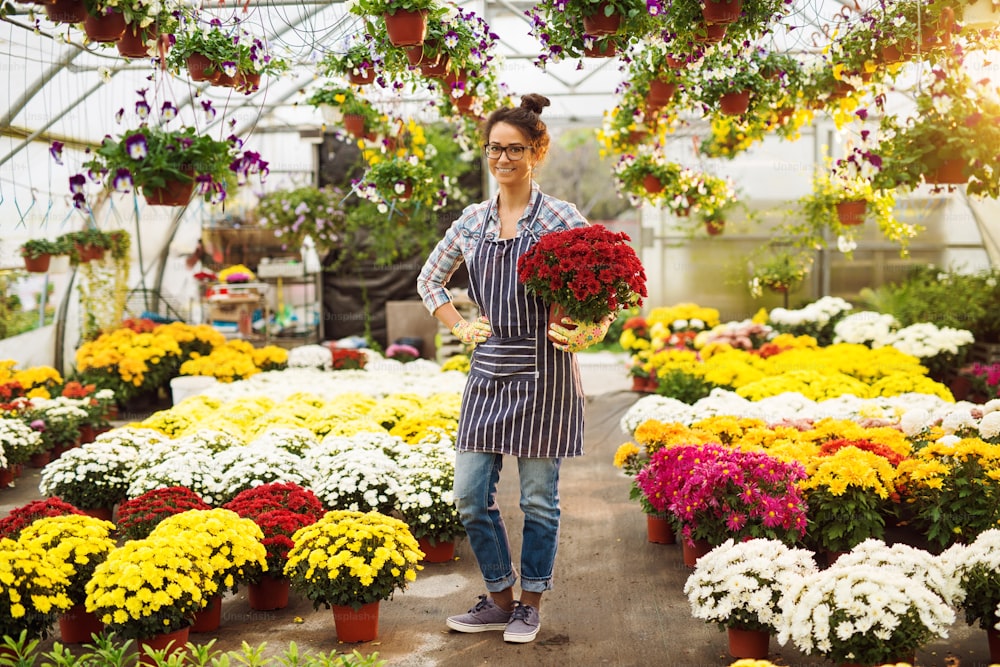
514, 152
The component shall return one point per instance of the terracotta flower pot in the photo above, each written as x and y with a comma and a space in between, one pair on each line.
659, 530
711, 33
406, 27
173, 193
660, 93
362, 78
202, 68
78, 626
721, 11
436, 70
604, 49
173, 642
440, 552
852, 212
417, 57
715, 227
950, 172
66, 11
693, 551
748, 643
599, 23
107, 28
269, 593
356, 625
38, 264
735, 104
355, 125
132, 44
652, 184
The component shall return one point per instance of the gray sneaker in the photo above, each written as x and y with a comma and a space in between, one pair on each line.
524, 624
485, 616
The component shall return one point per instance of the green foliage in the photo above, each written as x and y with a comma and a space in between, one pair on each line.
35, 248
946, 298
106, 651
840, 522
682, 386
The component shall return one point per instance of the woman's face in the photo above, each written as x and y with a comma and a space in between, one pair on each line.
505, 170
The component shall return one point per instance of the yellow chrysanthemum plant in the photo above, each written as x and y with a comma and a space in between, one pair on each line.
952, 490
33, 589
77, 543
849, 493
229, 547
150, 587
352, 558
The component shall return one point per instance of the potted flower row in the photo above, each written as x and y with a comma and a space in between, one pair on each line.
223, 56
82, 246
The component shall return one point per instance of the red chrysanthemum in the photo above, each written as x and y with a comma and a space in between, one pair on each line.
22, 517
138, 516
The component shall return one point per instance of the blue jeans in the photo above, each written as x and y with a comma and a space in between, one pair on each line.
476, 477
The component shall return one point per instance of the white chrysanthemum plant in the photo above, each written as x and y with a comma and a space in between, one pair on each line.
815, 319
362, 480
136, 438
95, 475
427, 493
18, 441
862, 614
917, 564
310, 356
194, 467
866, 328
294, 439
247, 467
976, 567
739, 584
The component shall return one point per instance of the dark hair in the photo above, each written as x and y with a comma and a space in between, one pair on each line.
525, 118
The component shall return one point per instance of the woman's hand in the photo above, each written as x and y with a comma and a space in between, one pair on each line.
472, 333
583, 336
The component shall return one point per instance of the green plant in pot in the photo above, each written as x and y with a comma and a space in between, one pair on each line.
155, 159
646, 175
347, 103
35, 248
779, 270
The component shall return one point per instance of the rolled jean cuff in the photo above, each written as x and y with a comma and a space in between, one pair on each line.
536, 585
501, 584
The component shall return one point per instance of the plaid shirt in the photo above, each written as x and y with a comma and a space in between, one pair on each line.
477, 220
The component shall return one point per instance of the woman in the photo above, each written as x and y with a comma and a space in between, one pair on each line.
524, 396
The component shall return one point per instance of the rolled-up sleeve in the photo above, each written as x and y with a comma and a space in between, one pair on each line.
443, 261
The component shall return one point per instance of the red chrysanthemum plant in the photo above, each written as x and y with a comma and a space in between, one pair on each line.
591, 272
21, 517
137, 517
279, 509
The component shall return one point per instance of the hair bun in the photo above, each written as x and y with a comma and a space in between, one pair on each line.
534, 102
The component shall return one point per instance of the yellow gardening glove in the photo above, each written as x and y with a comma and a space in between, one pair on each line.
583, 336
472, 333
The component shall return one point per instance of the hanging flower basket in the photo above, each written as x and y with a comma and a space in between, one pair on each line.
735, 104
721, 11
132, 44
599, 23
406, 27
950, 172
106, 28
202, 68
852, 212
66, 11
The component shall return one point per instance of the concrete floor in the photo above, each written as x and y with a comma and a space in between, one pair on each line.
617, 598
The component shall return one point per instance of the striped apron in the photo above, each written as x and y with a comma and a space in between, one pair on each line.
523, 396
